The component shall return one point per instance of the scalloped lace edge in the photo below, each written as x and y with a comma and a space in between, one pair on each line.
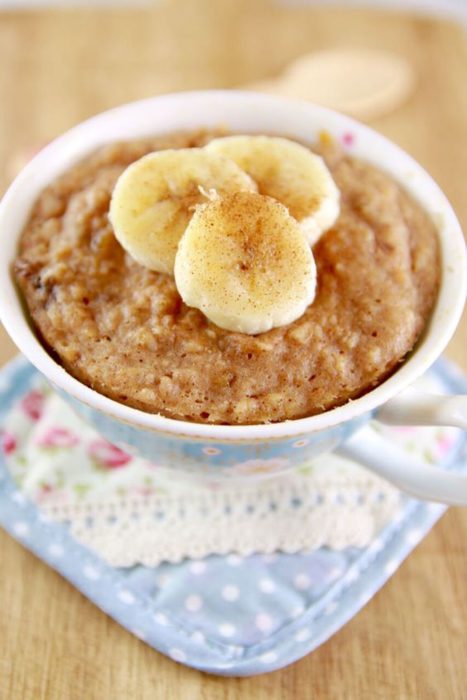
333, 512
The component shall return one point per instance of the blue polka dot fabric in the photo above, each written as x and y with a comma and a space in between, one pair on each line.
226, 615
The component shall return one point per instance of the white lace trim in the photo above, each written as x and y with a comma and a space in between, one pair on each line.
130, 511
287, 515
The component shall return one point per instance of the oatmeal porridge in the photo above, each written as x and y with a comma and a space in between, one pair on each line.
124, 330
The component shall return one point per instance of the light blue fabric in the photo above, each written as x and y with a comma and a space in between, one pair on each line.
225, 615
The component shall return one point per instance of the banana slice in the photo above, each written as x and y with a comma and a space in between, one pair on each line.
154, 199
288, 172
245, 263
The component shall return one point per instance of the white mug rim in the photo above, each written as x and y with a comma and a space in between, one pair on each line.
83, 138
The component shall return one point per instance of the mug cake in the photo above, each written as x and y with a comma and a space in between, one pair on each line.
356, 287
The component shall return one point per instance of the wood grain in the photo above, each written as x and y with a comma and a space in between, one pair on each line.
60, 67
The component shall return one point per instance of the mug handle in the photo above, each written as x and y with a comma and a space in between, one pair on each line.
420, 480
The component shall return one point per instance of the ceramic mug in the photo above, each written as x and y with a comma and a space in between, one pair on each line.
241, 451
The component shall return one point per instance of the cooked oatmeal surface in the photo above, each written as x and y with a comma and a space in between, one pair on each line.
124, 331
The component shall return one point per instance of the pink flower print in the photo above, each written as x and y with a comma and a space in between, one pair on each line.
33, 404
58, 437
8, 442
107, 455
348, 139
44, 491
445, 442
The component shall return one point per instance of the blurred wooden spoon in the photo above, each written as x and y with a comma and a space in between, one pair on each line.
364, 83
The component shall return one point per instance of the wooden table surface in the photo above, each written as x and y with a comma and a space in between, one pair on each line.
58, 68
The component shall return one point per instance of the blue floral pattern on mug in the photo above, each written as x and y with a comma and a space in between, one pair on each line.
216, 458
